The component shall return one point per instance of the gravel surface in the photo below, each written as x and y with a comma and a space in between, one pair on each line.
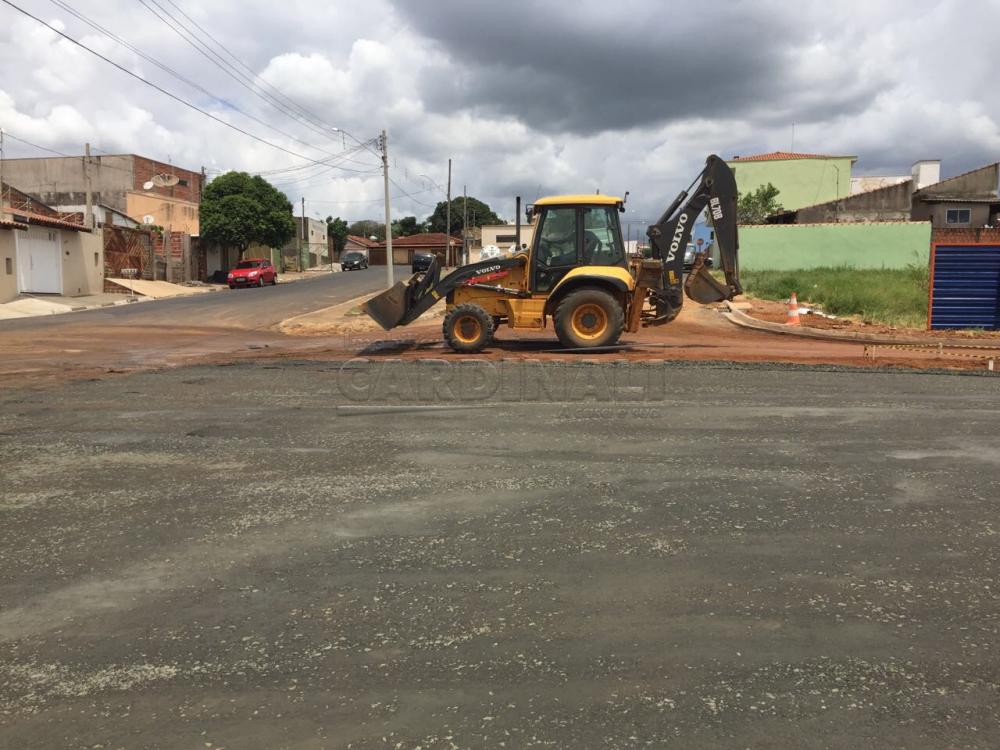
293, 554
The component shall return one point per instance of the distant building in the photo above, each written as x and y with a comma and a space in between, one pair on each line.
448, 249
968, 200
801, 179
503, 235
358, 244
118, 182
309, 245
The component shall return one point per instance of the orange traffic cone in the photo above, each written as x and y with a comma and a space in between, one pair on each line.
793, 310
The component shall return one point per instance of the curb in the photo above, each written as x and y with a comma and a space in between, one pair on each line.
741, 319
353, 302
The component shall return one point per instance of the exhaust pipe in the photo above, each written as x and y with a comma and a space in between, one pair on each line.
517, 224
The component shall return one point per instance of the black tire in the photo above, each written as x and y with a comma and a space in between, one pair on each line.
588, 318
468, 328
274, 280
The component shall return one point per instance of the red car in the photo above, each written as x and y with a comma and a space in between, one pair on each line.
252, 272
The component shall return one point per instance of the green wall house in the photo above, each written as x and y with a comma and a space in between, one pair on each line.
803, 179
792, 247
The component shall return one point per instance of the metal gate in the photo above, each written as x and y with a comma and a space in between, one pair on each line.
39, 261
965, 286
128, 248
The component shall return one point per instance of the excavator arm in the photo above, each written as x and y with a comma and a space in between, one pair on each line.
715, 187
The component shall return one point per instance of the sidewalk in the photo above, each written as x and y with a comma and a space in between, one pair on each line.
28, 306
162, 289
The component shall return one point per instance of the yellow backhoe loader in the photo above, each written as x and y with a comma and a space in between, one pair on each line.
577, 272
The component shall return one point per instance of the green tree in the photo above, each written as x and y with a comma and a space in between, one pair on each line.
337, 229
406, 226
755, 207
366, 228
478, 214
237, 210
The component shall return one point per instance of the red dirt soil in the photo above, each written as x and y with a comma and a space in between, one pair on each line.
75, 351
777, 312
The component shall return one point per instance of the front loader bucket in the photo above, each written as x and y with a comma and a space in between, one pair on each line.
390, 307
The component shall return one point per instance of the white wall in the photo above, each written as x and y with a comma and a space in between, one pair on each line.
8, 259
82, 262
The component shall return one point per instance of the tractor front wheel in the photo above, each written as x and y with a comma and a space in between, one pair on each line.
588, 318
468, 328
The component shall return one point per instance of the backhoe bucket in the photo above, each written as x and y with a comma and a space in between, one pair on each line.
703, 288
390, 307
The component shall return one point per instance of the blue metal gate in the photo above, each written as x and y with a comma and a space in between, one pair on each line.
965, 287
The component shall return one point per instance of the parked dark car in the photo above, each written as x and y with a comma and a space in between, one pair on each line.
353, 261
422, 261
252, 272
689, 256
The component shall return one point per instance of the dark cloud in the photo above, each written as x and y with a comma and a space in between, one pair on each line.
591, 67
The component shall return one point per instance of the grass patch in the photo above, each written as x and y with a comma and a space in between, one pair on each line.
890, 296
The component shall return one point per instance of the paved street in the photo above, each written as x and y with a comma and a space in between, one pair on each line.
293, 555
168, 332
241, 308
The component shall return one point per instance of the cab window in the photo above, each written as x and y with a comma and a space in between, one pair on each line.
602, 237
556, 248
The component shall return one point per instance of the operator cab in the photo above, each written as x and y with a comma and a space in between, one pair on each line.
573, 231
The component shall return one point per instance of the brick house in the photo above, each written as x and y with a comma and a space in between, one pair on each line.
118, 182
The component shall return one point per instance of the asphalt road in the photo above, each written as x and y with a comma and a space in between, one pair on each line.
291, 555
241, 308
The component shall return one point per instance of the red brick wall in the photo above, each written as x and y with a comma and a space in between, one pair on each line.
19, 201
977, 236
145, 169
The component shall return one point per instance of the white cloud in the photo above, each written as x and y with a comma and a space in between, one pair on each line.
613, 98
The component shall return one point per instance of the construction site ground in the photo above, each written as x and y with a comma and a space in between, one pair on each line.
213, 538
93, 346
699, 333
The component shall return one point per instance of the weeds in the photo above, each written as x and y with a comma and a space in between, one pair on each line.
890, 296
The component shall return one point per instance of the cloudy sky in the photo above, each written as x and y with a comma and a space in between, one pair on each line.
527, 98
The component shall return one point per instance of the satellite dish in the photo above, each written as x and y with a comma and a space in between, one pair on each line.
165, 180
148, 185
148, 219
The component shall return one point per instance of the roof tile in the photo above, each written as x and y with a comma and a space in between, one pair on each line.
784, 155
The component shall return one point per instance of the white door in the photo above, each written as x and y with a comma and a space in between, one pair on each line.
39, 261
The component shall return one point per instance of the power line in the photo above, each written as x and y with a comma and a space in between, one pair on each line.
408, 195
162, 90
93, 163
8, 134
372, 200
209, 54
170, 71
278, 94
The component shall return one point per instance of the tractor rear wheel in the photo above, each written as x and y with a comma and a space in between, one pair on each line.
588, 318
468, 328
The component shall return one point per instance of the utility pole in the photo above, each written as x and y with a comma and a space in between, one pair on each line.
447, 228
303, 258
465, 230
2, 209
88, 215
388, 210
